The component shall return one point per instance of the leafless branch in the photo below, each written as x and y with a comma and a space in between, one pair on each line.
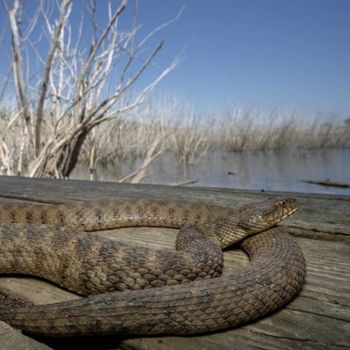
75, 86
64, 14
17, 64
140, 173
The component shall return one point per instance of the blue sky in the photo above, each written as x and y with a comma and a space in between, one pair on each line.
265, 54
260, 53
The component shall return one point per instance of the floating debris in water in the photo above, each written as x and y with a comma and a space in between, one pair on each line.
328, 182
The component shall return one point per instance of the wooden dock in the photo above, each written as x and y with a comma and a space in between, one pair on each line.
319, 318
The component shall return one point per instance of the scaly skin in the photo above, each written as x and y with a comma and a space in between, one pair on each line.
275, 275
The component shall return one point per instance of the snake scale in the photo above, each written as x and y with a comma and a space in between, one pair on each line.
51, 242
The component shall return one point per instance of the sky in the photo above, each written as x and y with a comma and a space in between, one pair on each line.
264, 54
260, 53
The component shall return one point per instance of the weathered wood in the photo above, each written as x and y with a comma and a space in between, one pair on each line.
320, 216
319, 318
12, 339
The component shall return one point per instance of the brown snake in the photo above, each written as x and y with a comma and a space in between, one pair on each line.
89, 264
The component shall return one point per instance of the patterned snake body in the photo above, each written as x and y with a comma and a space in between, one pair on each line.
87, 264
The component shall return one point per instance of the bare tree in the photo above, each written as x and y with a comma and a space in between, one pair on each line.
77, 87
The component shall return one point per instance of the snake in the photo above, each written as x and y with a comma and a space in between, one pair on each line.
133, 290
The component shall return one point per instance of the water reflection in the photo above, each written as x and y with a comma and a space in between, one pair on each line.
280, 171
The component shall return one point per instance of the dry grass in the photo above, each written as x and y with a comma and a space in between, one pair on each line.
244, 130
168, 126
85, 103
58, 92
189, 138
173, 127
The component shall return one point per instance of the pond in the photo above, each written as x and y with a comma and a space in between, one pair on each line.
277, 171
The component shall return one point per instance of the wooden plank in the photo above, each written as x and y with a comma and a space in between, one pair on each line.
319, 318
323, 303
12, 339
319, 217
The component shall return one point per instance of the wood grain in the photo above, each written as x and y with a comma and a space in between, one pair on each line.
319, 318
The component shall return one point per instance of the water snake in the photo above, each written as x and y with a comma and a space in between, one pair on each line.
275, 275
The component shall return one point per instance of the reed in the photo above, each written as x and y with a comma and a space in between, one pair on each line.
77, 76
243, 131
189, 137
162, 126
86, 103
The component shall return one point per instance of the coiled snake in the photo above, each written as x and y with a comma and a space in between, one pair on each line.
49, 242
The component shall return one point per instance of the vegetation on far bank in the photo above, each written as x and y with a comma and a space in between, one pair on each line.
148, 132
174, 129
66, 100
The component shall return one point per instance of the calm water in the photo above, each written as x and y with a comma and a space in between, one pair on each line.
280, 171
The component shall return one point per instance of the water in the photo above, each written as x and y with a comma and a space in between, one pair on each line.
277, 171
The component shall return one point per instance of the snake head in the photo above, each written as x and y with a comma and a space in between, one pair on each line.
260, 216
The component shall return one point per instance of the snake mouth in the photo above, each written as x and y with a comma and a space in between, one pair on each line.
282, 211
268, 214
285, 215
